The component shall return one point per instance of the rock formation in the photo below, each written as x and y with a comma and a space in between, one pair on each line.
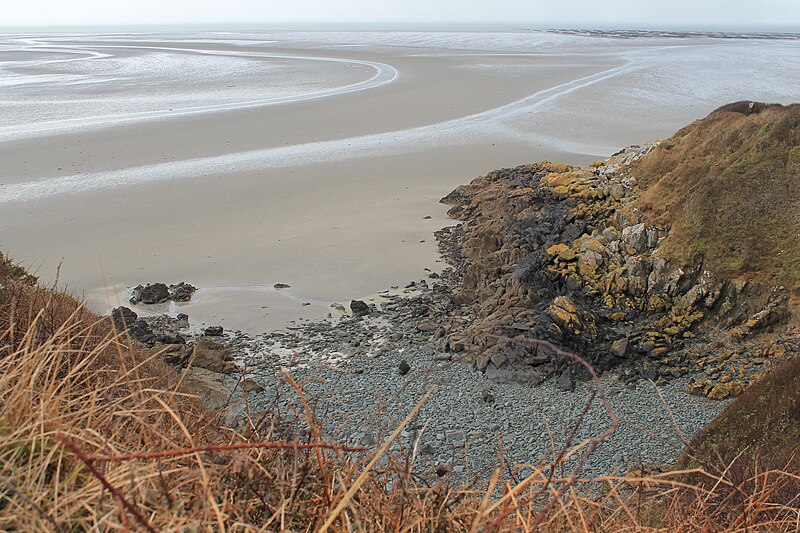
565, 254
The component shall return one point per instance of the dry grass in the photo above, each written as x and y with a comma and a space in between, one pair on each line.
96, 436
729, 187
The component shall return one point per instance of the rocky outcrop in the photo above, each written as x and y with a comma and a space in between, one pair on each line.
560, 253
156, 293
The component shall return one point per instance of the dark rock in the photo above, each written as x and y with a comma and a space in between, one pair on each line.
442, 469
173, 354
170, 339
565, 382
214, 331
359, 308
123, 316
154, 293
127, 321
404, 368
181, 292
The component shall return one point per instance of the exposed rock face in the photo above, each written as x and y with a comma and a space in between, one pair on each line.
559, 253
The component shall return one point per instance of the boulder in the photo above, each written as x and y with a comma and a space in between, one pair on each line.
359, 308
212, 356
154, 293
565, 382
621, 347
123, 316
636, 237
181, 292
127, 321
214, 331
562, 252
404, 368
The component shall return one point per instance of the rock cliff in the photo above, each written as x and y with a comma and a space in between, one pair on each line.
577, 256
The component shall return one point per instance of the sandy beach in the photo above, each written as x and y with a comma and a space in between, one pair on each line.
237, 161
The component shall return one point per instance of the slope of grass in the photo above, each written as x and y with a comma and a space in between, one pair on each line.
761, 425
729, 187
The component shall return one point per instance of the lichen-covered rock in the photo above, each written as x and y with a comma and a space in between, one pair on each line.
559, 254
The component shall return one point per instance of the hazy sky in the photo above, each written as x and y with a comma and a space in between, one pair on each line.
641, 13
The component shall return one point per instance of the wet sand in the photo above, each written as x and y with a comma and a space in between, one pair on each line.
328, 193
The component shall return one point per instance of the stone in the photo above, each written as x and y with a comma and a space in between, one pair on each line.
123, 316
155, 293
173, 354
404, 368
723, 391
562, 252
359, 308
127, 321
455, 437
442, 469
426, 325
621, 347
281, 286
635, 236
181, 292
250, 385
212, 356
214, 331
588, 263
565, 382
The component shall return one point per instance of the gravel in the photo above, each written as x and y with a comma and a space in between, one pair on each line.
349, 367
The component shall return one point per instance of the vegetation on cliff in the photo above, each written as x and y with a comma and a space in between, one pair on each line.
728, 186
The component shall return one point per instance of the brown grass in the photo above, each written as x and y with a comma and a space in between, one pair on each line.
763, 424
96, 436
729, 187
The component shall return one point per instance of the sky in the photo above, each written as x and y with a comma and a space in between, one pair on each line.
676, 14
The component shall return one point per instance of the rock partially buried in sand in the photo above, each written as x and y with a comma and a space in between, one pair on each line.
181, 292
214, 331
281, 286
359, 308
154, 293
